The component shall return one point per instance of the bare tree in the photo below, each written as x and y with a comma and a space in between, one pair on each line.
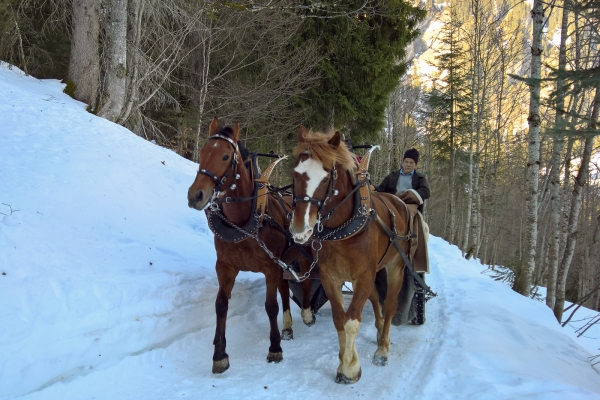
555, 166
580, 181
523, 283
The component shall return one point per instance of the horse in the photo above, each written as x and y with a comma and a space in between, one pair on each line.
243, 220
334, 210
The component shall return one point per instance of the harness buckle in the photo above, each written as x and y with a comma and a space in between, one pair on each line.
319, 224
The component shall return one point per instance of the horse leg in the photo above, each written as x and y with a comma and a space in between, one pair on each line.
272, 308
226, 277
395, 278
334, 294
351, 370
284, 291
307, 315
378, 311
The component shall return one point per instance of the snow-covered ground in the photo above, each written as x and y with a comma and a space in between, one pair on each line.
107, 289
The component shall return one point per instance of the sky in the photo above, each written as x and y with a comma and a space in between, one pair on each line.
107, 289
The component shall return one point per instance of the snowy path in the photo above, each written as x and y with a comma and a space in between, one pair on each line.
182, 368
436, 360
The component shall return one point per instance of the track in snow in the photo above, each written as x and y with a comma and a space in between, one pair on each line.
183, 368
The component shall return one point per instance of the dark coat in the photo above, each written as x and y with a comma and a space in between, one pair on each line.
419, 183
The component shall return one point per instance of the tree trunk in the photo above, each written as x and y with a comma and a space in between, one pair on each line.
580, 181
136, 14
204, 82
466, 243
523, 281
557, 148
116, 73
84, 61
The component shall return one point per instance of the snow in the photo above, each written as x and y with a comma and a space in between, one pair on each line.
109, 289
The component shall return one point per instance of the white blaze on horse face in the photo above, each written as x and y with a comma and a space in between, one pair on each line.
315, 174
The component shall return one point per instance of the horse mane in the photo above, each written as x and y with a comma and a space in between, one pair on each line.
316, 144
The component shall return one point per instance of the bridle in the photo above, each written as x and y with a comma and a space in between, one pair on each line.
360, 211
333, 175
233, 165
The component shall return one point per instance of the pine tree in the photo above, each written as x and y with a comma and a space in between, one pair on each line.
363, 61
448, 101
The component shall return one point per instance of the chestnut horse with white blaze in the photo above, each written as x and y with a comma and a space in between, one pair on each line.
226, 185
335, 209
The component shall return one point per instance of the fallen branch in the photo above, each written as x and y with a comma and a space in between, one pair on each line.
11, 210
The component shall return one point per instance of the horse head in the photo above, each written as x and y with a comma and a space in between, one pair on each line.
218, 165
321, 180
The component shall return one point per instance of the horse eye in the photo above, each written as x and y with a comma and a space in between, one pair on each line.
325, 180
226, 157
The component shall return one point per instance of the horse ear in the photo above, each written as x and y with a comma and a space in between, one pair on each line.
214, 127
236, 132
335, 140
301, 132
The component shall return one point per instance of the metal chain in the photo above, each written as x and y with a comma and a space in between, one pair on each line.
361, 213
282, 264
261, 244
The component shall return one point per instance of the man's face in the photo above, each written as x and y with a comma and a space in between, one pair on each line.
408, 165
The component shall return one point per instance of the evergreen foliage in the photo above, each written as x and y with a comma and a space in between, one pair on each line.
363, 59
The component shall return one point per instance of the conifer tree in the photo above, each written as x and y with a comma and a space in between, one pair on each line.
363, 61
448, 101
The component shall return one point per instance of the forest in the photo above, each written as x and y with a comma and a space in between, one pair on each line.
501, 98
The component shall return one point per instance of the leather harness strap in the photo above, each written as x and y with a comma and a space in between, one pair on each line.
394, 238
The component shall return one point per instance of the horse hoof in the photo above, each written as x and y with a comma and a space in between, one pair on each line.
308, 317
220, 366
287, 334
341, 378
380, 361
311, 322
275, 357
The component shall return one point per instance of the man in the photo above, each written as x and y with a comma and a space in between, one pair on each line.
412, 188
407, 178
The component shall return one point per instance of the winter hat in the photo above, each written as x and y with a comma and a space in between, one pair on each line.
412, 154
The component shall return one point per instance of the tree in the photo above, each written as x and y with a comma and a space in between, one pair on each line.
362, 63
84, 64
558, 145
524, 279
116, 71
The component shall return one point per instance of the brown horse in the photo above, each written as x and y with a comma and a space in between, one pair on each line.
229, 188
334, 209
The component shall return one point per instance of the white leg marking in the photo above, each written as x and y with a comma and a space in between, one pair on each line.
287, 320
351, 363
307, 316
315, 173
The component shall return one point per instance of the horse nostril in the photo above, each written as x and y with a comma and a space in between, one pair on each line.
200, 196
